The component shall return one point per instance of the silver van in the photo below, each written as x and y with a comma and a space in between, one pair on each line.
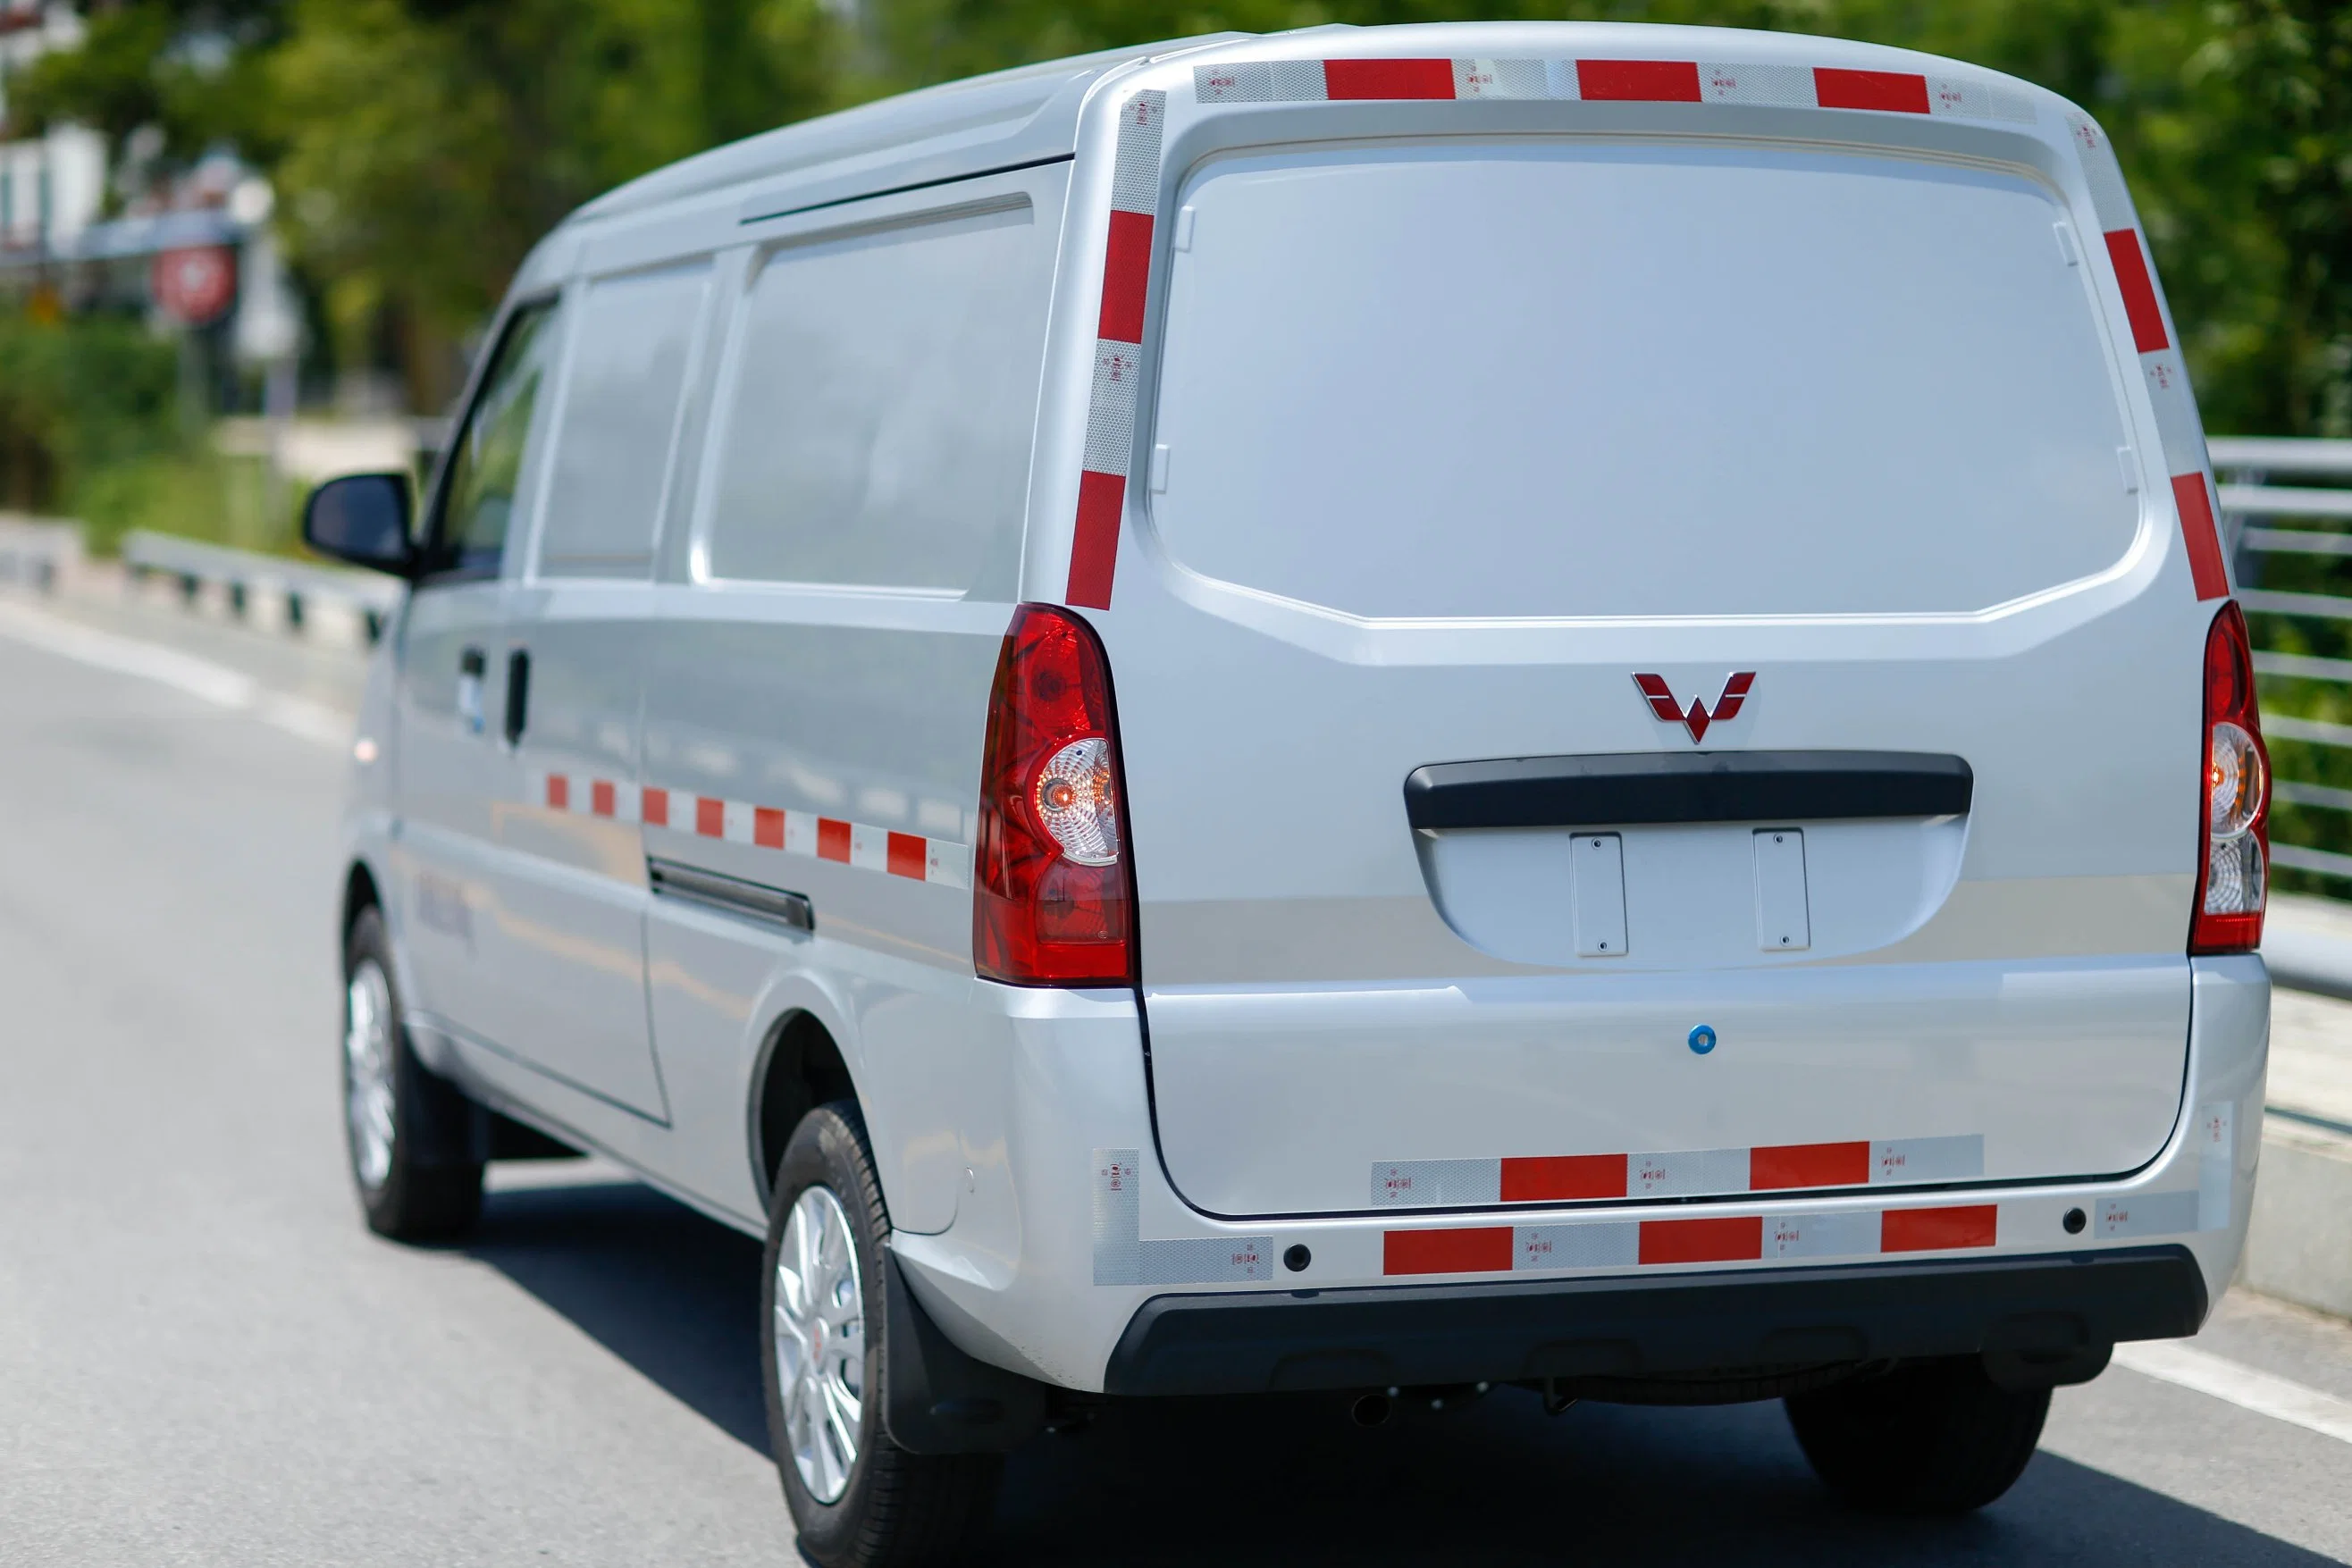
1398, 711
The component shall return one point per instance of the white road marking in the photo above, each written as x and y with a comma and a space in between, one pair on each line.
2244, 1387
199, 678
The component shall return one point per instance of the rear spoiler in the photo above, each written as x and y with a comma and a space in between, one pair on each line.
1686, 787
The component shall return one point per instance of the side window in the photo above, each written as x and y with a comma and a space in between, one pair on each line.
486, 468
886, 385
612, 441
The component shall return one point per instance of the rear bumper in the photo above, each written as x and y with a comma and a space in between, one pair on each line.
2058, 1311
1070, 1245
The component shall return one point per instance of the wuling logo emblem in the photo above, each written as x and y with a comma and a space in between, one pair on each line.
1669, 711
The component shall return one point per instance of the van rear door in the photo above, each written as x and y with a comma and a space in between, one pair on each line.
1648, 460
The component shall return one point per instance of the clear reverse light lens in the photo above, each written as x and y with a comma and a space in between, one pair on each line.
1077, 803
2233, 876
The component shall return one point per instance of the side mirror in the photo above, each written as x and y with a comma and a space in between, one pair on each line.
362, 518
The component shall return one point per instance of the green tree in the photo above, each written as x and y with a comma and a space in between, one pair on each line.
426, 144
420, 147
188, 70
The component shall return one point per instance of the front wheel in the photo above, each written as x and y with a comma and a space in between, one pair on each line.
860, 1500
1928, 1437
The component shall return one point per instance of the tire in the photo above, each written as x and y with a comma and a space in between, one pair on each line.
404, 1130
858, 1498
1929, 1438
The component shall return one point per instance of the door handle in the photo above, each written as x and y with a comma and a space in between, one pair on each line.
471, 666
518, 695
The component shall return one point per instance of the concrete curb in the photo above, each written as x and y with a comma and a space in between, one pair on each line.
2299, 1245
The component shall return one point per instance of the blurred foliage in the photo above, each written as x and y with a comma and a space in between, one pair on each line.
419, 147
193, 491
187, 72
90, 427
79, 399
426, 146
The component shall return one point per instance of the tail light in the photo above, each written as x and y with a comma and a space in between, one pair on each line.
2232, 874
1053, 900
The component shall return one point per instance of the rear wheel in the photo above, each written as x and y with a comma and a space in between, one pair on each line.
400, 1121
1928, 1437
860, 1500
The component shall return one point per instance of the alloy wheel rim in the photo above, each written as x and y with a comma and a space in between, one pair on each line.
820, 1332
367, 1072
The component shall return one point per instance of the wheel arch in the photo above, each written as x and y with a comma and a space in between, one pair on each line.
361, 890
801, 1066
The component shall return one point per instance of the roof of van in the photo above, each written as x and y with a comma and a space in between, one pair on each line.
1031, 112
1004, 111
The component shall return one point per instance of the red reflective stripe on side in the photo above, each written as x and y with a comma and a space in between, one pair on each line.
559, 791
1639, 81
600, 796
1808, 1165
907, 856
2140, 291
1893, 91
1093, 553
1388, 78
768, 827
1487, 1251
2206, 568
654, 807
1563, 1176
832, 840
709, 817
1703, 1240
1938, 1229
1127, 273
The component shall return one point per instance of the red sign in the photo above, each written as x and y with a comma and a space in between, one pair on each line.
194, 285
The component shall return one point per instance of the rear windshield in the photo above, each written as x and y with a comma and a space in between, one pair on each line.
1543, 379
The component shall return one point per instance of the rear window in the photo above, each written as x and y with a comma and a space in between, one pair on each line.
1539, 379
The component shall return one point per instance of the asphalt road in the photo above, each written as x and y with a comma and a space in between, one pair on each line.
205, 1357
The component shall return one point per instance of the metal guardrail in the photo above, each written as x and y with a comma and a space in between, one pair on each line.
2245, 465
245, 576
41, 551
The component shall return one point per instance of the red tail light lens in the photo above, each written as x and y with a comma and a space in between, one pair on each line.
2233, 873
1052, 890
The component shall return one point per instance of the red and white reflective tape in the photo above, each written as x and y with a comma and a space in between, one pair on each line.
2176, 424
1709, 1238
1119, 337
1826, 1232
910, 855
1690, 1173
1122, 1257
1611, 80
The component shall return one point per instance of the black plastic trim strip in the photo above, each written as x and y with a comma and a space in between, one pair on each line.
2059, 1307
1687, 786
758, 217
731, 895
